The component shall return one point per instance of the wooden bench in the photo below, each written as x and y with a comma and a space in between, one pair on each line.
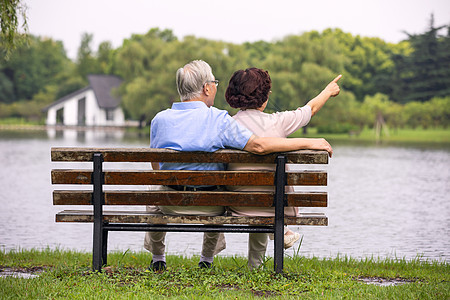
95, 178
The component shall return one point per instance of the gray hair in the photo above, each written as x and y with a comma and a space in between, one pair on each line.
191, 78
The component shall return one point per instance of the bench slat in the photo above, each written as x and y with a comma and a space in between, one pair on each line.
225, 198
146, 177
313, 219
166, 155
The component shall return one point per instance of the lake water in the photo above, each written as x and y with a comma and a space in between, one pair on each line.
384, 201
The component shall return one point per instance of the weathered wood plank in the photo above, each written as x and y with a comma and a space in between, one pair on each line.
166, 155
223, 198
72, 197
307, 177
313, 219
164, 177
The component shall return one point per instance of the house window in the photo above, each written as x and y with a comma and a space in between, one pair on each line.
109, 115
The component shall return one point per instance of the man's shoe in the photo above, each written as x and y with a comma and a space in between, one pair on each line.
290, 239
205, 265
157, 266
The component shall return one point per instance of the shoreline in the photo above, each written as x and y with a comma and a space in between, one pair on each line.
62, 127
436, 136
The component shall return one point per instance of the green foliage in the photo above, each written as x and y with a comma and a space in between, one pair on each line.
257, 52
426, 71
6, 89
39, 73
440, 111
345, 115
419, 137
376, 105
368, 62
377, 76
12, 12
21, 109
148, 64
69, 85
87, 63
32, 67
300, 67
340, 115
433, 113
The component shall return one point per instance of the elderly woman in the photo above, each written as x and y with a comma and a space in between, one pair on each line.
249, 91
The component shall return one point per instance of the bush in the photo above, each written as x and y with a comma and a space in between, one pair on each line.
337, 128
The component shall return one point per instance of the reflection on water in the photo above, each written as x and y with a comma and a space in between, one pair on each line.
85, 136
384, 201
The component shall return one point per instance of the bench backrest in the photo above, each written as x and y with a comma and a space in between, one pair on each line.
130, 177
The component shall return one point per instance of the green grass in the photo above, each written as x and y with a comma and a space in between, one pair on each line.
66, 274
19, 121
405, 135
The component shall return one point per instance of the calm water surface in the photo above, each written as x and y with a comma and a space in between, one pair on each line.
384, 201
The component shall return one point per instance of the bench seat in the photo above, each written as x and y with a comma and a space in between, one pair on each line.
86, 216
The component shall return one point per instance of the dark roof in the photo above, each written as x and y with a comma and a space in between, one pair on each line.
103, 86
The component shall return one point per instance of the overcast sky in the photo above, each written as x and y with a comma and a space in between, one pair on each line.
234, 21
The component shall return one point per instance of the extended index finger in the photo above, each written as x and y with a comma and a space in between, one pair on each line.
337, 78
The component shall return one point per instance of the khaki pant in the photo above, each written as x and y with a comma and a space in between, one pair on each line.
257, 245
213, 242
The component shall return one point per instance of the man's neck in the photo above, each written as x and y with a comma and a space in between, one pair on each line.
196, 99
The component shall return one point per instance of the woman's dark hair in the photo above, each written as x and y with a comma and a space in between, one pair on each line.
248, 88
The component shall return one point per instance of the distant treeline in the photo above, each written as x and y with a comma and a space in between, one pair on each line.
403, 84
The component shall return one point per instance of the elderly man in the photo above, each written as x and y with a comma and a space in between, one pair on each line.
194, 125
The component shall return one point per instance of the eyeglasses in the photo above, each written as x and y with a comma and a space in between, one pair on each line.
216, 82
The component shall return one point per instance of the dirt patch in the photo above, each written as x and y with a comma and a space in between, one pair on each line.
21, 272
380, 281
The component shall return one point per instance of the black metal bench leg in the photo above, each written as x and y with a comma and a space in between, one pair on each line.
105, 248
279, 214
97, 251
99, 236
278, 247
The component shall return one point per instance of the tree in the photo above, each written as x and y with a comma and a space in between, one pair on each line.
368, 62
300, 67
426, 72
86, 60
6, 89
68, 84
257, 52
440, 111
145, 62
376, 108
165, 35
105, 55
342, 114
10, 13
32, 67
148, 64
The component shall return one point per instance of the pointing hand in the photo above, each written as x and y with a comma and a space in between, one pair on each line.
333, 87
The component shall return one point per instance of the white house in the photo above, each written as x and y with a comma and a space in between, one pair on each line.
94, 105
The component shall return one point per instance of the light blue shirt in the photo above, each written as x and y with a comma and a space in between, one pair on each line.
193, 126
